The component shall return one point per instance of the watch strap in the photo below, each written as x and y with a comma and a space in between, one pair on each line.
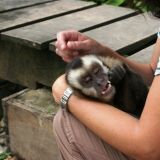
157, 71
64, 99
158, 33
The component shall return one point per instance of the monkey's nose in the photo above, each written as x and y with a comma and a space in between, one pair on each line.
101, 81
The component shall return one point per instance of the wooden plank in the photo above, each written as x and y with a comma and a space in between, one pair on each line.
143, 56
40, 34
29, 114
127, 40
123, 33
31, 67
7, 5
26, 16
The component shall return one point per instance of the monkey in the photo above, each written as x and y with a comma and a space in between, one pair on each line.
107, 80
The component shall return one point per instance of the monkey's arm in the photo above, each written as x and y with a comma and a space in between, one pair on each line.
116, 74
131, 93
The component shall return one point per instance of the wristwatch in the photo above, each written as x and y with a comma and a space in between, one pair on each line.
157, 71
64, 100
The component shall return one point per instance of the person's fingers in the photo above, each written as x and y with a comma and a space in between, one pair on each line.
57, 51
70, 57
65, 36
67, 59
77, 45
66, 55
61, 41
75, 53
61, 53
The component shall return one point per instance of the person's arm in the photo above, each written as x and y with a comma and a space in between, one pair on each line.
147, 70
143, 69
137, 138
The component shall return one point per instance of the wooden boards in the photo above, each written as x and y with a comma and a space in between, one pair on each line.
40, 34
128, 35
36, 13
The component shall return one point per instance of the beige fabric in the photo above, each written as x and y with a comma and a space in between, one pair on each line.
76, 142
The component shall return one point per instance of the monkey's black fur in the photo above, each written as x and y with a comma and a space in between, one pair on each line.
131, 93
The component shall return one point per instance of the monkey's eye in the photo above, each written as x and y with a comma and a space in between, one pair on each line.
96, 70
87, 79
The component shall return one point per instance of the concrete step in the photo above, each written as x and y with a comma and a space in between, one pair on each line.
29, 115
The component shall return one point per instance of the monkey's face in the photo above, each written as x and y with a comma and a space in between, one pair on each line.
90, 76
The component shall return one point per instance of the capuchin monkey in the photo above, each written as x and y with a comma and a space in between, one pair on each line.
107, 80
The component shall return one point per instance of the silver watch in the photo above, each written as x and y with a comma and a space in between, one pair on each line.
66, 95
157, 71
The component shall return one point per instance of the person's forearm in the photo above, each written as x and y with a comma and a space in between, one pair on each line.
112, 125
136, 138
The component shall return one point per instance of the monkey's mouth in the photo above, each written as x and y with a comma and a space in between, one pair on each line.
107, 89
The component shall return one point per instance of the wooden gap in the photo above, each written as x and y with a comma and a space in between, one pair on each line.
110, 21
138, 46
45, 44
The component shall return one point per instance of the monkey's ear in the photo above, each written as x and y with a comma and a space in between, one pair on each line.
74, 64
104, 60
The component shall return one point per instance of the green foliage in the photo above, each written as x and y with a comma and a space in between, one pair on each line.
112, 2
136, 3
115, 2
4, 155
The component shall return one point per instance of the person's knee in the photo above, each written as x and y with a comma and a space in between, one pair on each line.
64, 125
63, 134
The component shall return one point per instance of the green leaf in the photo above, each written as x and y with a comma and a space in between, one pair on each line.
115, 2
4, 155
140, 5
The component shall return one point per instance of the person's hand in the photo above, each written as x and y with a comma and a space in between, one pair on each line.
72, 43
58, 88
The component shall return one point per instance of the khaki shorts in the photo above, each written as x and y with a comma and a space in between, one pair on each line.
76, 142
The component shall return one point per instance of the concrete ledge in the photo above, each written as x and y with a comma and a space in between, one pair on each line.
29, 115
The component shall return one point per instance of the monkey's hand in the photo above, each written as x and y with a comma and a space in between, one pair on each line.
116, 74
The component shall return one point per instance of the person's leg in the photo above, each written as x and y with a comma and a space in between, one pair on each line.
76, 142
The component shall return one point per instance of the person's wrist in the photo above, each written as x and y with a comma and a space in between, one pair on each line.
102, 50
58, 88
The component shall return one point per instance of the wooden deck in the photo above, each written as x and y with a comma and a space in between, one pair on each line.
27, 35
28, 32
